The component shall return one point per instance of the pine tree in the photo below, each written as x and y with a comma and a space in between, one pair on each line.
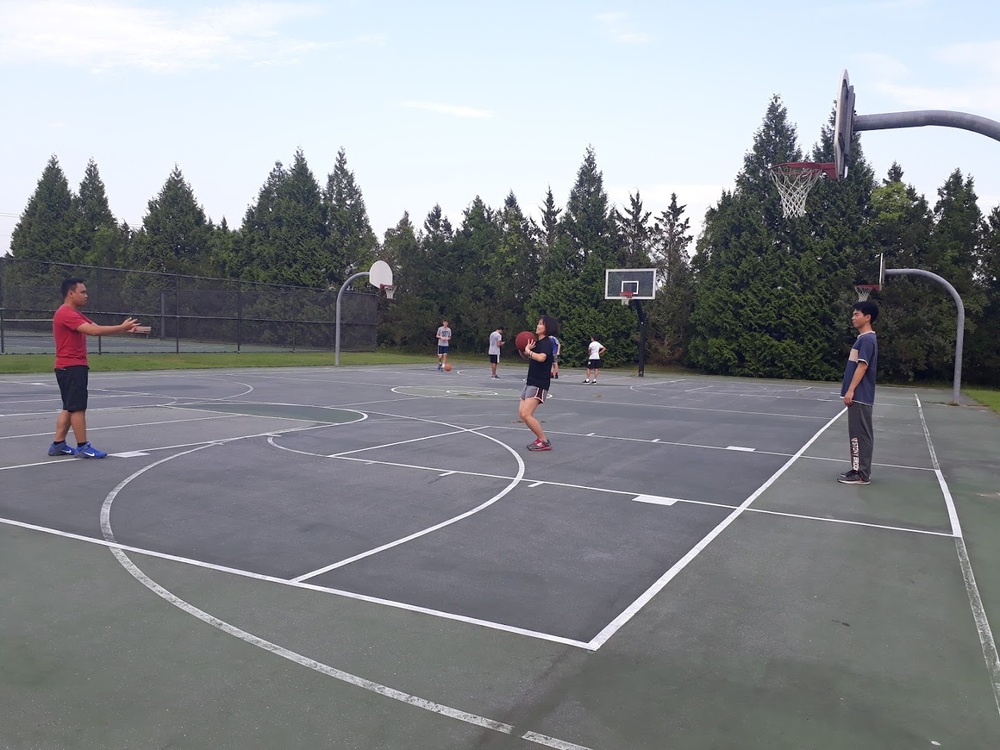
100, 239
902, 225
283, 234
411, 318
571, 284
769, 288
47, 227
175, 234
955, 249
351, 244
984, 354
670, 312
634, 235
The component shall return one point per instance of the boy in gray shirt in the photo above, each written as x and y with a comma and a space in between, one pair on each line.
858, 392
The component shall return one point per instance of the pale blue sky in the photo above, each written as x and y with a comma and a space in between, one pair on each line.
437, 102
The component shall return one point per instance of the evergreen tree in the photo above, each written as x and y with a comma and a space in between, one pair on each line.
99, 238
670, 313
634, 235
549, 229
284, 233
411, 318
351, 244
47, 227
514, 268
571, 284
981, 344
902, 228
175, 234
474, 263
955, 248
770, 290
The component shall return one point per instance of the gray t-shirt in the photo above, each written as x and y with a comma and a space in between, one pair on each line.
495, 338
444, 336
865, 349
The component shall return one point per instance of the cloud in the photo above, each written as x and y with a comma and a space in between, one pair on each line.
451, 109
618, 29
973, 66
105, 35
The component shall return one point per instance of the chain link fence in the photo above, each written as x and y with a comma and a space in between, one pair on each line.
184, 313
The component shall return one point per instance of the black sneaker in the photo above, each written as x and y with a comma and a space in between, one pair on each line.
853, 477
847, 474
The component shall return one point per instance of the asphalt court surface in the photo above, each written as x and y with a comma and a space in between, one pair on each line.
411, 491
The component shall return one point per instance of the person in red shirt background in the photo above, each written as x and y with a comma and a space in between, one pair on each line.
70, 328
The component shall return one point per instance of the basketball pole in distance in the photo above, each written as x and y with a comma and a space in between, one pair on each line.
956, 384
380, 275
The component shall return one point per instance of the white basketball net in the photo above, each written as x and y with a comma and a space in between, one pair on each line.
794, 184
389, 289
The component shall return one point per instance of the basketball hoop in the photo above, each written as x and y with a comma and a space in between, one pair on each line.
389, 289
794, 181
626, 298
864, 290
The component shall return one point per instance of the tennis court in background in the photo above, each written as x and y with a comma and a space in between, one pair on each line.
369, 557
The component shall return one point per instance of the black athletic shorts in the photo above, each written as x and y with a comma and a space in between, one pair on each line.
73, 386
494, 358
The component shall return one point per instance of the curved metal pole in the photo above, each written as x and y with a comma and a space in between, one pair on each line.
336, 356
921, 118
960, 335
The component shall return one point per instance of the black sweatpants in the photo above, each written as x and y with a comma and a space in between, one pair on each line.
862, 435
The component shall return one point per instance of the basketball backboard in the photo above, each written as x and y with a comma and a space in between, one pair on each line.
640, 281
380, 274
843, 125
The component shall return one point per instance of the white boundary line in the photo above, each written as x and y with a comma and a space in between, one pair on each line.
294, 657
615, 625
986, 640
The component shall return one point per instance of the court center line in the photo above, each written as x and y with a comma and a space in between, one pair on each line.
296, 658
983, 629
615, 625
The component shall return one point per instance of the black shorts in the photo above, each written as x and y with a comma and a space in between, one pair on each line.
494, 358
73, 386
594, 364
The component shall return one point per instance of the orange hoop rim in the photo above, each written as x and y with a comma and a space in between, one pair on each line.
826, 167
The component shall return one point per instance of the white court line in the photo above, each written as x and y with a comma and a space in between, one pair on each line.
297, 585
292, 656
986, 640
512, 483
849, 523
126, 426
655, 500
615, 625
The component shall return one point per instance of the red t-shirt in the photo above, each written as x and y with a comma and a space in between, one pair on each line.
71, 344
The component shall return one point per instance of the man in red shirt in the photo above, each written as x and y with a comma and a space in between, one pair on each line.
70, 328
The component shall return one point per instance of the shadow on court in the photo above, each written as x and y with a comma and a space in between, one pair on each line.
369, 557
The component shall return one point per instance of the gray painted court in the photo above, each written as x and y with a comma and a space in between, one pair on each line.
369, 558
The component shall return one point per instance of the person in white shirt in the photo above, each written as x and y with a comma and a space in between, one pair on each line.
443, 339
594, 351
496, 341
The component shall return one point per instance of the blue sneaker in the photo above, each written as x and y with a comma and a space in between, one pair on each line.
88, 451
61, 449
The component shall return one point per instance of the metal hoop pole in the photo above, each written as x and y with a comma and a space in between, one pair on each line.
336, 356
956, 386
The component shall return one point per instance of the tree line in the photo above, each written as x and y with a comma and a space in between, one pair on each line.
756, 295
